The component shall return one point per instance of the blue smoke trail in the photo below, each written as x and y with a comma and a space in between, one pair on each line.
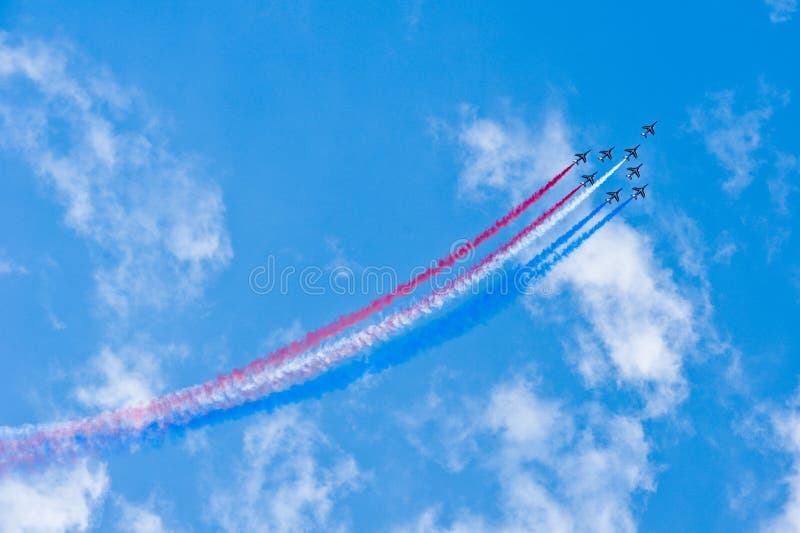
528, 270
544, 268
462, 319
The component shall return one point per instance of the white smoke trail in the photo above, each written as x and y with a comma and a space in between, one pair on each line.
400, 320
195, 401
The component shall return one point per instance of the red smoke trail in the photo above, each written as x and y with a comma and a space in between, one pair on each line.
514, 240
315, 337
60, 441
209, 389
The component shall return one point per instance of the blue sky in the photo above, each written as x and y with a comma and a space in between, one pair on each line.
154, 156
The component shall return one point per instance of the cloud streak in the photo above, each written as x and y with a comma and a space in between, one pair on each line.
159, 225
781, 10
735, 138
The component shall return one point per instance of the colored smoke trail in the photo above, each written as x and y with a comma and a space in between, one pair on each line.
558, 256
312, 365
313, 338
247, 384
32, 443
474, 311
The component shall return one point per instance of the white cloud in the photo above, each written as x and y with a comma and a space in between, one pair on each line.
139, 518
429, 522
642, 326
531, 427
7, 266
795, 281
129, 375
726, 248
597, 461
636, 312
282, 336
340, 260
289, 479
158, 227
451, 444
781, 10
735, 138
196, 441
508, 157
413, 15
775, 241
785, 422
57, 499
781, 185
55, 322
559, 469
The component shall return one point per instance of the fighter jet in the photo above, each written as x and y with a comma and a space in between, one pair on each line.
632, 152
588, 179
633, 171
650, 129
606, 154
639, 192
613, 195
582, 156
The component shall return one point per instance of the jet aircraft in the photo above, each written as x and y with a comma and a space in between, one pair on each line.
582, 156
606, 154
634, 171
649, 129
632, 152
613, 195
639, 192
588, 179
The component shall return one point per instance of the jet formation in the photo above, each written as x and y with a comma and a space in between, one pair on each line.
633, 171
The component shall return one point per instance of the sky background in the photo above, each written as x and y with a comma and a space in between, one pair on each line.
154, 157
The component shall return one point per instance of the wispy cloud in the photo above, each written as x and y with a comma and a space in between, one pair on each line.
413, 14
726, 248
735, 137
290, 478
139, 518
62, 498
124, 376
508, 157
597, 461
282, 335
781, 10
782, 185
430, 428
638, 316
55, 322
559, 468
780, 425
775, 241
156, 222
8, 266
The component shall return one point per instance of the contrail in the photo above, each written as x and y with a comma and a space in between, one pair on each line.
475, 310
30, 443
309, 365
558, 256
250, 379
313, 338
